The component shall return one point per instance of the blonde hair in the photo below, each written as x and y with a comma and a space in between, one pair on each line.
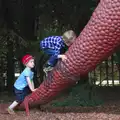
68, 35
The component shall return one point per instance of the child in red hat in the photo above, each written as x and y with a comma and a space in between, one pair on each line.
24, 84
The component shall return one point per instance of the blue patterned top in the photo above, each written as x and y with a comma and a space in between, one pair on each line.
54, 43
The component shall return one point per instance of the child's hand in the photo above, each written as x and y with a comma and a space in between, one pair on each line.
63, 57
34, 90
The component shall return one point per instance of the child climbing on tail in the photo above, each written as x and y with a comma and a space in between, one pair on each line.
52, 46
24, 84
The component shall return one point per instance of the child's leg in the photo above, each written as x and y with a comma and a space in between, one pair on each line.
19, 99
52, 60
13, 105
10, 109
50, 64
20, 96
26, 92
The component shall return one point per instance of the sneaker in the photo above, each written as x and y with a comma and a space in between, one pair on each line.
10, 111
46, 69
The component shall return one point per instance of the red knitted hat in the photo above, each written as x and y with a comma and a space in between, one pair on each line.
26, 59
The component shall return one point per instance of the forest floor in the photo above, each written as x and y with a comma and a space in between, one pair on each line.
110, 110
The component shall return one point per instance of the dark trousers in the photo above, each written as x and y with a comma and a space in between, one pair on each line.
52, 57
21, 94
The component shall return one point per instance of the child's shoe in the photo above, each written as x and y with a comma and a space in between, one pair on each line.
10, 111
47, 68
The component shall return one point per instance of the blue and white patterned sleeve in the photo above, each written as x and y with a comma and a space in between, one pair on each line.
44, 43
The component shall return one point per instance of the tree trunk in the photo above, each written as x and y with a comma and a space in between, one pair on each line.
10, 63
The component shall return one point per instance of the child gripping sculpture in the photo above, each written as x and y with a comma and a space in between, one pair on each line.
52, 46
24, 84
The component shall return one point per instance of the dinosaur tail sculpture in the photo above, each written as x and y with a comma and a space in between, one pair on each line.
96, 42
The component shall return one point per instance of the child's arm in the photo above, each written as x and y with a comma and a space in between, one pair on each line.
33, 84
30, 84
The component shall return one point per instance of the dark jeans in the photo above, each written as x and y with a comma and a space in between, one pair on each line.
52, 58
21, 94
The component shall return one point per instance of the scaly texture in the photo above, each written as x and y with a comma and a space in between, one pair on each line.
97, 41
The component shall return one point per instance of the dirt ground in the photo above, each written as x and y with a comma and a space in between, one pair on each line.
110, 110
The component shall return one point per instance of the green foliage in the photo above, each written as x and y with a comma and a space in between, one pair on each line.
117, 56
80, 95
53, 29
